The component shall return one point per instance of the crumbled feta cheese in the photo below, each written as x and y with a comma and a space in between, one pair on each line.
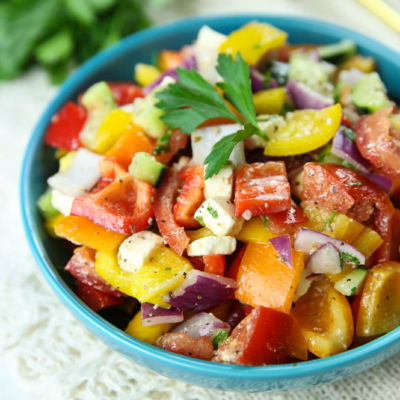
212, 245
247, 214
220, 184
61, 202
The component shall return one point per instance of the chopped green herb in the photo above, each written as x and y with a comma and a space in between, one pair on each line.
257, 46
341, 261
168, 269
280, 259
266, 222
349, 133
358, 184
163, 144
212, 211
267, 78
200, 221
330, 220
179, 190
353, 291
222, 335
351, 258
285, 109
348, 165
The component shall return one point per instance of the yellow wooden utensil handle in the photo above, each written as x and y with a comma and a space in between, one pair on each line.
384, 12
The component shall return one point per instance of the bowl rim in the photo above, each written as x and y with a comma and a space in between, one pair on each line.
109, 331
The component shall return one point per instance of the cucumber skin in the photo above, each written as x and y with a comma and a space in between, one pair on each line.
44, 205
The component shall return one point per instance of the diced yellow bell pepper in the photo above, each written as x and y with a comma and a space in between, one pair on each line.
254, 230
162, 274
199, 234
364, 64
49, 225
269, 101
352, 231
345, 271
305, 131
83, 231
146, 74
113, 127
61, 153
253, 41
367, 242
148, 334
66, 160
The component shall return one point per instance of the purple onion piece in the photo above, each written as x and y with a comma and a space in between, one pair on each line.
273, 84
346, 149
257, 80
211, 330
384, 182
199, 325
283, 247
307, 98
152, 315
201, 292
326, 260
294, 164
351, 76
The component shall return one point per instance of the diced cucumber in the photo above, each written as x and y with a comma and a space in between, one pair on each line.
352, 283
146, 168
326, 156
147, 115
311, 73
44, 205
370, 93
99, 101
337, 53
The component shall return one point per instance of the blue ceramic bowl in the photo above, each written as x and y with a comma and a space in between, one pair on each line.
117, 63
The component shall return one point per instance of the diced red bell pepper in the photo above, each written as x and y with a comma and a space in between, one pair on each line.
82, 267
197, 262
178, 141
234, 268
260, 339
164, 202
215, 264
110, 168
96, 299
324, 189
181, 343
124, 206
65, 126
287, 221
262, 189
125, 92
190, 198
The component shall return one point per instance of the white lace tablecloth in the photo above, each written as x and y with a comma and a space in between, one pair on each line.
46, 350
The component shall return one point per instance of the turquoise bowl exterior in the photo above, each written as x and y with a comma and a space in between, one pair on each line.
117, 63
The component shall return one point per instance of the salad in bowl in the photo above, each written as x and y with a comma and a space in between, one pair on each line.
237, 201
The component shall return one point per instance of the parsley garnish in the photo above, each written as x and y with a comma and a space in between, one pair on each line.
266, 222
348, 165
168, 269
285, 109
200, 219
222, 335
349, 133
163, 145
358, 184
351, 258
353, 291
330, 220
341, 261
212, 211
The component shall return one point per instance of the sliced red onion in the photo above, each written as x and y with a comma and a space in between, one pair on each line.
283, 247
257, 80
273, 84
306, 98
350, 77
310, 241
347, 150
188, 64
201, 292
326, 260
152, 315
384, 182
197, 324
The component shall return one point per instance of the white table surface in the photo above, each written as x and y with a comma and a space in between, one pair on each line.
344, 12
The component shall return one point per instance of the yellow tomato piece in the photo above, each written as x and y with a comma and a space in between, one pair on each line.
253, 41
83, 231
380, 302
269, 101
148, 334
146, 74
364, 64
367, 242
337, 277
199, 234
352, 231
305, 131
254, 230
113, 127
49, 225
296, 342
66, 160
325, 318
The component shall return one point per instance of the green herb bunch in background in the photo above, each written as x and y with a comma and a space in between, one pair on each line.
61, 34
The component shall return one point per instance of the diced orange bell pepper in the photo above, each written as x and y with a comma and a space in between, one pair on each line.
297, 343
264, 280
83, 231
169, 59
131, 142
364, 64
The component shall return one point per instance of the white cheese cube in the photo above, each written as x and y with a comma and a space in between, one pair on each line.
61, 202
218, 214
137, 249
212, 245
220, 184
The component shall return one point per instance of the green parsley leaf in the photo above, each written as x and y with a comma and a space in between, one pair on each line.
222, 150
351, 258
163, 143
358, 184
266, 222
267, 78
349, 133
222, 335
329, 220
353, 291
341, 261
212, 211
200, 221
348, 165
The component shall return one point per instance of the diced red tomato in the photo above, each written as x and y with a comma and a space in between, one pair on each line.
324, 189
346, 121
366, 195
124, 206
190, 198
287, 221
262, 189
178, 141
215, 264
65, 126
375, 143
82, 267
181, 343
234, 268
96, 299
260, 339
164, 201
125, 92
197, 262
